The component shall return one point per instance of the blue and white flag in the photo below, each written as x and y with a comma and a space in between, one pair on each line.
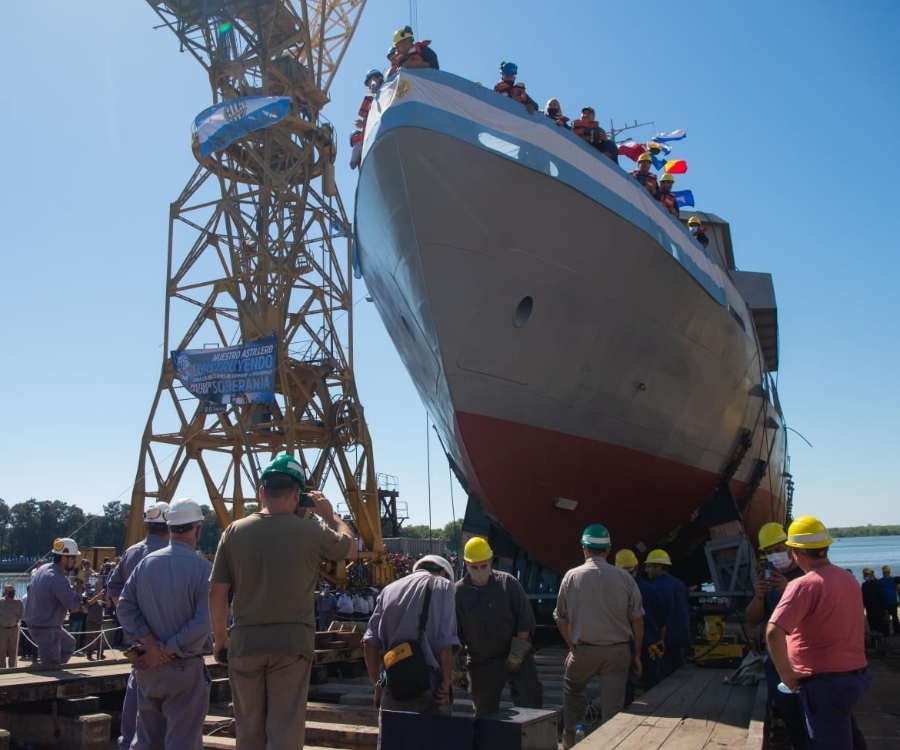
675, 135
337, 228
224, 123
243, 374
683, 198
658, 164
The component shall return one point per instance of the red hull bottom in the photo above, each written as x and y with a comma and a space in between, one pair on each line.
519, 473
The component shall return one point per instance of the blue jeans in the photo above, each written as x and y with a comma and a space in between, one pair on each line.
828, 707
787, 706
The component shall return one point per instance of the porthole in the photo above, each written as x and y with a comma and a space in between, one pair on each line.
523, 311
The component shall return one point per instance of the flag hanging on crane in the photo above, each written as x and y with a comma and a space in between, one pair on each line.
224, 123
676, 166
683, 198
242, 374
675, 135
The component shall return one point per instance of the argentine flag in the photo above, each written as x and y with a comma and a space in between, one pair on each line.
227, 121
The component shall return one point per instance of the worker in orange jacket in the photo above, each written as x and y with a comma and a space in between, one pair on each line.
589, 129
665, 195
515, 91
408, 53
644, 176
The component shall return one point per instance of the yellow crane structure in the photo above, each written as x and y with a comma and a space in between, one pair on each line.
259, 246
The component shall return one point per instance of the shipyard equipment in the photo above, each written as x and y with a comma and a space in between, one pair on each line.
259, 247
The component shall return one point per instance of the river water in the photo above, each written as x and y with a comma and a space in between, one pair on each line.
856, 553
853, 553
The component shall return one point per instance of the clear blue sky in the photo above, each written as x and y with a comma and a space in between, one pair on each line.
792, 114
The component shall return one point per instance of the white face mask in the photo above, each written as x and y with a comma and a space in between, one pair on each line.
479, 576
781, 560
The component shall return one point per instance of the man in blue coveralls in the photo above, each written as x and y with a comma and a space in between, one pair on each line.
673, 596
164, 608
49, 598
156, 538
889, 589
654, 626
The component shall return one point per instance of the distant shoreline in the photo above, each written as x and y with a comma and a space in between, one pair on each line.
850, 532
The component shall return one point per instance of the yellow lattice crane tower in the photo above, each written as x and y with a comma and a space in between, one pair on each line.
258, 247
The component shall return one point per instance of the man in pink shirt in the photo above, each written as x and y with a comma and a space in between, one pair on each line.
816, 640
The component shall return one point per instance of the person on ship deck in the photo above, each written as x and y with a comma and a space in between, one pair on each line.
644, 176
587, 128
665, 195
408, 53
698, 231
507, 86
553, 110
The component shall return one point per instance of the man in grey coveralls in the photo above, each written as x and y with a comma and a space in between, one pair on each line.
157, 537
164, 607
49, 598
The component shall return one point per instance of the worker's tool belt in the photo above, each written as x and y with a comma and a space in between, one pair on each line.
834, 675
406, 672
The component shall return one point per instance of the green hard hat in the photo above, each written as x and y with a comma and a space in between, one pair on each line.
595, 536
283, 466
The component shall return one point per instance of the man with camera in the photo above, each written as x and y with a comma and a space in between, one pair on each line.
270, 562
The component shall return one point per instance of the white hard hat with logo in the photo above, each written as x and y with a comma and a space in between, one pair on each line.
184, 510
157, 513
65, 546
435, 560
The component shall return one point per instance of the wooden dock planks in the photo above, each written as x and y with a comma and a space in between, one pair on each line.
690, 710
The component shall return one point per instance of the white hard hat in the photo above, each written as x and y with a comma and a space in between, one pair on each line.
184, 510
65, 546
435, 560
157, 513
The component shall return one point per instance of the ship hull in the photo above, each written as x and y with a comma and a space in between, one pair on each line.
579, 366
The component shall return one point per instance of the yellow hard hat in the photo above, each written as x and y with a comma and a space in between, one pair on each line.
625, 558
667, 178
401, 34
808, 533
693, 221
658, 557
477, 550
644, 157
868, 572
885, 568
771, 533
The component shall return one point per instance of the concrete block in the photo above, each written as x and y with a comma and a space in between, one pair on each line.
89, 732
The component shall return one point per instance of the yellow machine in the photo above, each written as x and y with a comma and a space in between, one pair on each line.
715, 644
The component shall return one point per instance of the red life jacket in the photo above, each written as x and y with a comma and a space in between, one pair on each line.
668, 200
647, 180
514, 91
365, 106
415, 53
